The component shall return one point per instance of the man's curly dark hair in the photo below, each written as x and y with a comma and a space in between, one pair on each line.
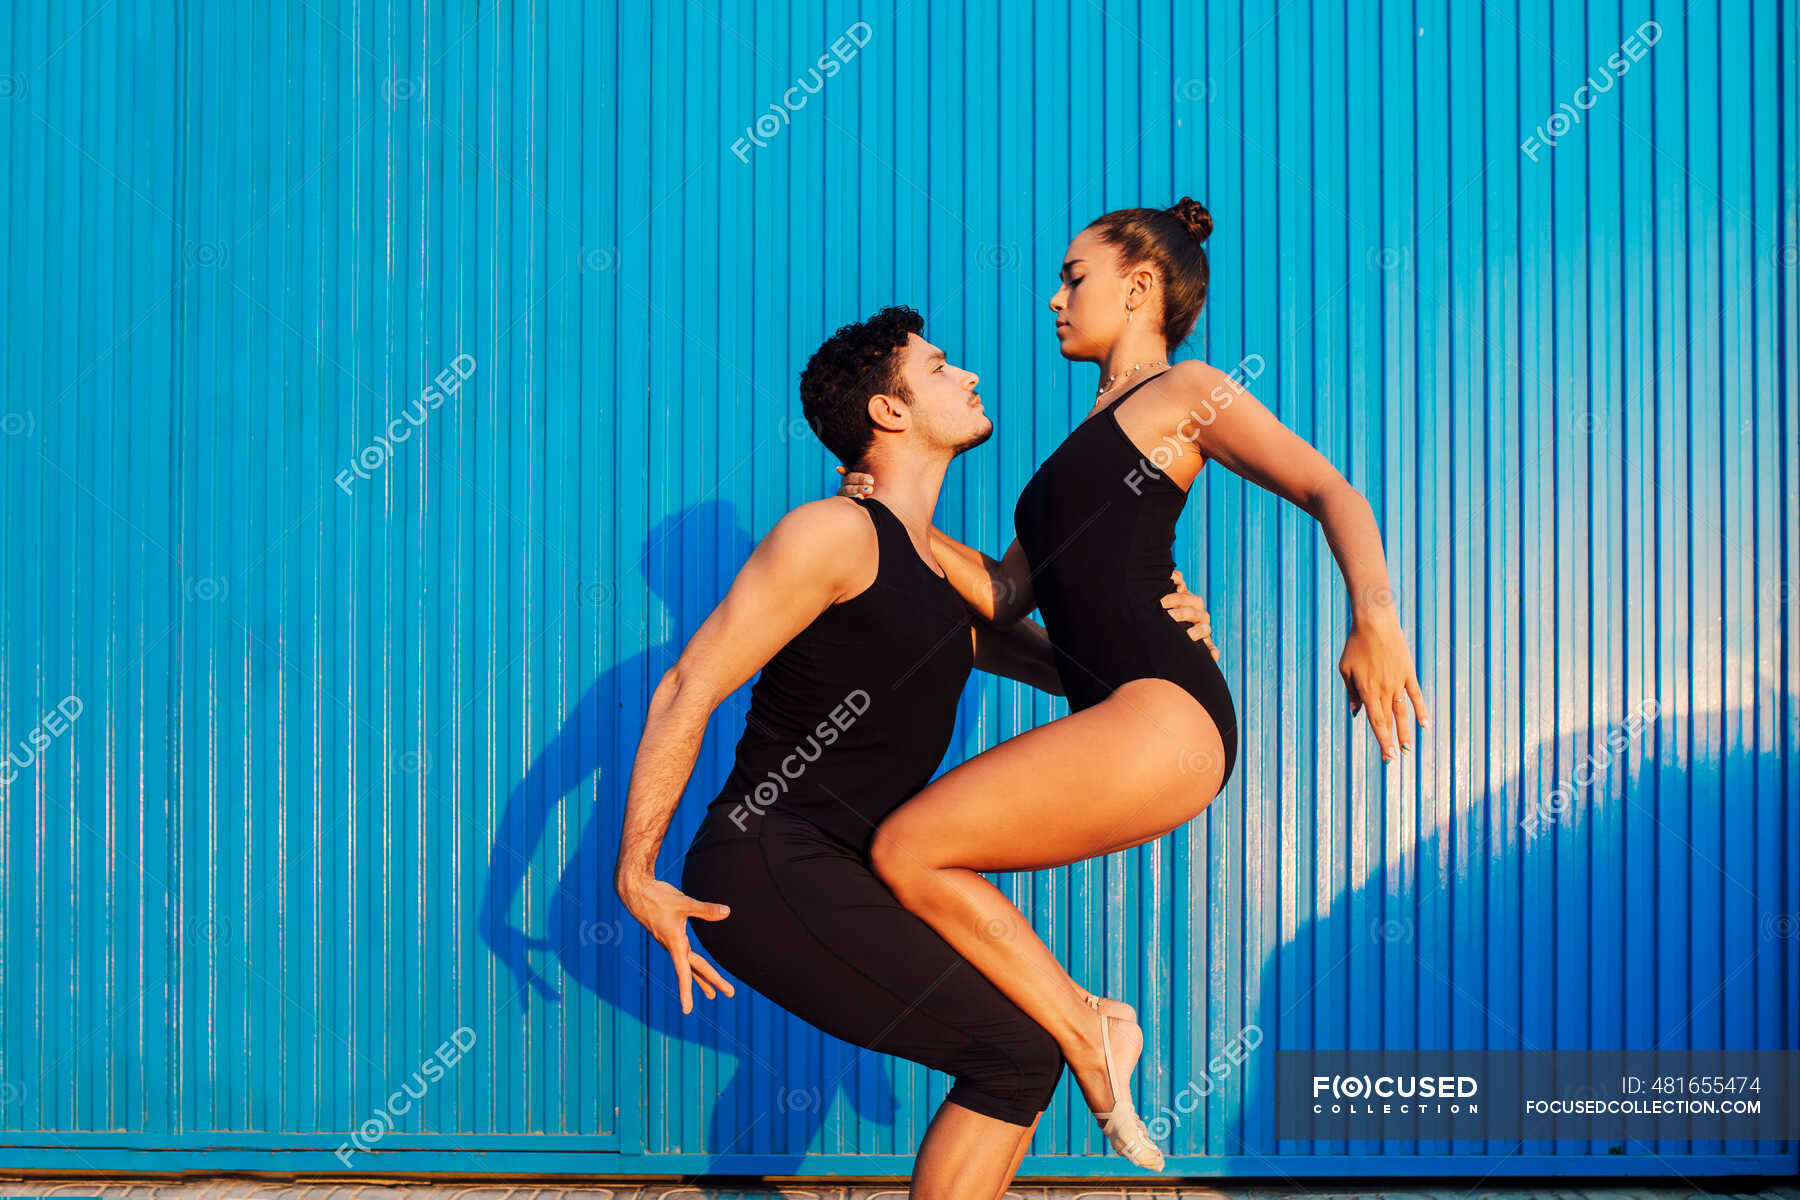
860, 360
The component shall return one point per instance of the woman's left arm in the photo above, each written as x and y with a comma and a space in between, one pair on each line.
1230, 426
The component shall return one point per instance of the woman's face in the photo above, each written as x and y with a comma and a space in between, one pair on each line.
1090, 304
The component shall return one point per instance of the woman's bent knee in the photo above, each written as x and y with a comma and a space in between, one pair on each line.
895, 860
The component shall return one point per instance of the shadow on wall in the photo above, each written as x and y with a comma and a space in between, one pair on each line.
597, 943
1516, 918
1610, 895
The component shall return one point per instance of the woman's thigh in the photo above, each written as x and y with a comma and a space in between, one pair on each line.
1142, 762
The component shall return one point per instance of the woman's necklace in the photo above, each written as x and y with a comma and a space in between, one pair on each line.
1107, 383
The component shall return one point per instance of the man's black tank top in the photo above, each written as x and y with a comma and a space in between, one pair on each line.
854, 714
1097, 525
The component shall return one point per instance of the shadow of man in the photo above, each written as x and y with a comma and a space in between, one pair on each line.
596, 941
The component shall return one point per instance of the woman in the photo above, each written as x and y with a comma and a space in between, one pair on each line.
1152, 735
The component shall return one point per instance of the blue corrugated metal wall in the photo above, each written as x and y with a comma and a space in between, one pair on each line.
352, 716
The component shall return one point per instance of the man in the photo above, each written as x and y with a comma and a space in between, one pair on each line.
863, 648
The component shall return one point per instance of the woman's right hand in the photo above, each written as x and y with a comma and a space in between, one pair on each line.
664, 909
1183, 605
856, 483
995, 590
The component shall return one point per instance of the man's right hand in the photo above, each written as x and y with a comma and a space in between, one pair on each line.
664, 909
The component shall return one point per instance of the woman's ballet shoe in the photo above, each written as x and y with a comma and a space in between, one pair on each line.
1122, 1126
1128, 1014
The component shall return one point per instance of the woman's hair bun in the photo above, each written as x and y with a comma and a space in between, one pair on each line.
1193, 217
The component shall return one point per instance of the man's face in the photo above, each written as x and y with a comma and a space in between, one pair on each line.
945, 407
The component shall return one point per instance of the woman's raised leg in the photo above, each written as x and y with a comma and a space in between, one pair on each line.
1126, 771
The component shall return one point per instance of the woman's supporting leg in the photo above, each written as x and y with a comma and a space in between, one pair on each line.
965, 1155
1126, 771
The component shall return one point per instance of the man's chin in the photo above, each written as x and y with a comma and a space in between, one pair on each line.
976, 440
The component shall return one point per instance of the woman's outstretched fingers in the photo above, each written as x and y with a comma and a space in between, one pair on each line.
1381, 720
1350, 689
1418, 701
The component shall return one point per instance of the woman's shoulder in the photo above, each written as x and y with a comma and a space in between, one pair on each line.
1198, 386
1194, 373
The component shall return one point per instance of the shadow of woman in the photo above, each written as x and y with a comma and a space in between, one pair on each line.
1542, 913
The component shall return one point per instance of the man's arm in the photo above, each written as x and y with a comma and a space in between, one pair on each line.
818, 554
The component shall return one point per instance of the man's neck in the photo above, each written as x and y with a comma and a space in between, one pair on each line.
908, 485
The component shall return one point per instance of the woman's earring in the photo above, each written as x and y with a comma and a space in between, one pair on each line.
1128, 314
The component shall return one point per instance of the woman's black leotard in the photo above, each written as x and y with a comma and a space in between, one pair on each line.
1097, 524
846, 722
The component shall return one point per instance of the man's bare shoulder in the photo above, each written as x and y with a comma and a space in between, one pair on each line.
833, 534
